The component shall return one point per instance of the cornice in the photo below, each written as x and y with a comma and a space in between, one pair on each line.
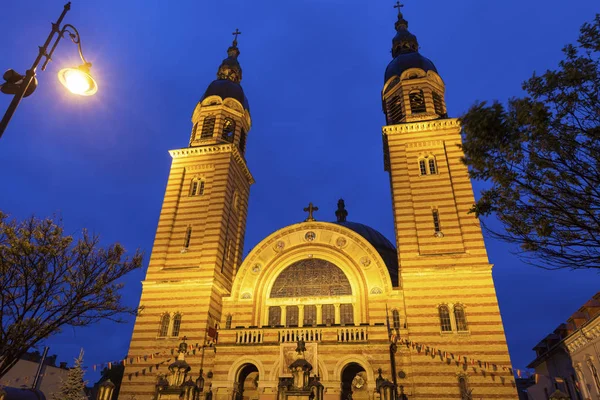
588, 333
213, 149
422, 126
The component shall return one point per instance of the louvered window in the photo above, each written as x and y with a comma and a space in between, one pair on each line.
394, 110
445, 319
208, 127
460, 318
228, 130
417, 102
438, 104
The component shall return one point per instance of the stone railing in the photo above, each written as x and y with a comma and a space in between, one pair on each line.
249, 336
306, 334
352, 334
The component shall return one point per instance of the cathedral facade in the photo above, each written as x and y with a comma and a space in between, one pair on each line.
321, 309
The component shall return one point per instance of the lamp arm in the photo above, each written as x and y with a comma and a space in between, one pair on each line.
75, 38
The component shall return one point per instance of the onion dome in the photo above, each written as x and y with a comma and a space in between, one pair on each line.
405, 50
229, 76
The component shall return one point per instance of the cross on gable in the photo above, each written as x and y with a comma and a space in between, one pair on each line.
310, 209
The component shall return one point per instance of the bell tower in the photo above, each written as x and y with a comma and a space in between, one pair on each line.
449, 296
200, 234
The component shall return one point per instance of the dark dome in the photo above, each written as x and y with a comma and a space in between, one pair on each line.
406, 61
227, 89
384, 247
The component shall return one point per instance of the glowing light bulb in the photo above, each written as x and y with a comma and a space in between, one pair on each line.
78, 80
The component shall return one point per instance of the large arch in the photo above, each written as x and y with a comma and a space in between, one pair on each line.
360, 360
237, 366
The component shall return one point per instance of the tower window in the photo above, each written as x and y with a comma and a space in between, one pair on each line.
396, 319
328, 314
459, 317
228, 130
436, 220
274, 316
432, 166
392, 84
438, 104
423, 167
462, 385
394, 110
243, 141
291, 316
197, 187
417, 101
228, 322
346, 314
208, 127
194, 130
310, 315
445, 319
176, 325
164, 325
188, 237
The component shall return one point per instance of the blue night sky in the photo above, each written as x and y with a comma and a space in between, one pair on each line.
313, 72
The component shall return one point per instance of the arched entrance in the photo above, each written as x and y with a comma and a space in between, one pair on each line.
354, 382
246, 384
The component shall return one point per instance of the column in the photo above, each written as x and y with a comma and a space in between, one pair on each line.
300, 315
283, 315
319, 313
337, 313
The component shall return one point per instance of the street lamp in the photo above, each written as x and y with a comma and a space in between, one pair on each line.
77, 79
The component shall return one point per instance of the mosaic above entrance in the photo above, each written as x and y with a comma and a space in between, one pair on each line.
311, 277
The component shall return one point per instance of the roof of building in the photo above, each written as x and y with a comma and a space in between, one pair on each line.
225, 88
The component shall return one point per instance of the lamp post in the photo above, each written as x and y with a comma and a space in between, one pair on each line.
78, 79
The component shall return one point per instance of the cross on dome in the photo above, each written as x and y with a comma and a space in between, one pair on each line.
310, 209
236, 33
399, 6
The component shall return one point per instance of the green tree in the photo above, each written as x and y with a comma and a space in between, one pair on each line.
541, 155
73, 388
49, 280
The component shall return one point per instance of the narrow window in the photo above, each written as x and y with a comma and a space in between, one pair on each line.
228, 322
208, 127
432, 166
274, 316
423, 167
228, 130
438, 104
197, 187
459, 316
188, 237
164, 325
436, 220
462, 385
394, 110
396, 319
346, 314
328, 314
176, 325
310, 315
291, 316
243, 141
417, 101
445, 319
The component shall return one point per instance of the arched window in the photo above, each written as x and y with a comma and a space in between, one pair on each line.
394, 110
417, 102
228, 130
438, 104
291, 316
428, 165
176, 325
346, 314
445, 319
243, 141
320, 278
188, 237
228, 321
274, 316
164, 325
392, 84
432, 166
462, 385
436, 221
459, 317
396, 319
310, 315
423, 167
197, 187
208, 127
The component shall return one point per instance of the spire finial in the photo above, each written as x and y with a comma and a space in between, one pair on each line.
399, 7
236, 33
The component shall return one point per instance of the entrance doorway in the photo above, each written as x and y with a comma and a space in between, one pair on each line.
246, 385
354, 380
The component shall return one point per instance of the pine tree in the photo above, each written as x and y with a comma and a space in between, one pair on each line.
73, 388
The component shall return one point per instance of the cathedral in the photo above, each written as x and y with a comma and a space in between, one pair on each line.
321, 309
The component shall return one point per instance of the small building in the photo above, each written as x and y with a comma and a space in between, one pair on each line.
567, 359
19, 380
